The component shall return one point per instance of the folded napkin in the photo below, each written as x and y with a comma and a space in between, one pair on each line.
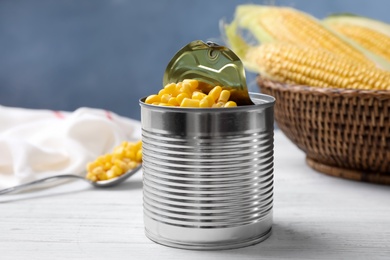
39, 143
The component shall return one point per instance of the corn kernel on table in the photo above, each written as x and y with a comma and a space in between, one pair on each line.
315, 217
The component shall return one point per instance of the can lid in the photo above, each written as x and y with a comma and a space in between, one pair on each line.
212, 65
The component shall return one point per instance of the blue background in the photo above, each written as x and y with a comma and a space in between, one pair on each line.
66, 54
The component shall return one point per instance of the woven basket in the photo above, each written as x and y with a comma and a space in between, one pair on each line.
344, 133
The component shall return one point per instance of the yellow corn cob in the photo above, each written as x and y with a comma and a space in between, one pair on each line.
284, 24
371, 39
314, 67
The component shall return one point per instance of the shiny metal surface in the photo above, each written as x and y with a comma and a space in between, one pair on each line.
212, 65
208, 174
98, 184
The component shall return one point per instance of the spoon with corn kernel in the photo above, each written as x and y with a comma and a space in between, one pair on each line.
106, 171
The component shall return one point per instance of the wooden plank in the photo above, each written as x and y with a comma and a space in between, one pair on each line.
315, 216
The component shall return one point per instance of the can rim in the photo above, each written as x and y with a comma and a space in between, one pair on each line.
265, 101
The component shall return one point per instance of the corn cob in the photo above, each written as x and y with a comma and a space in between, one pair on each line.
372, 35
313, 67
283, 24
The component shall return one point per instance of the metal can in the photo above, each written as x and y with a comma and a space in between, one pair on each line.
208, 174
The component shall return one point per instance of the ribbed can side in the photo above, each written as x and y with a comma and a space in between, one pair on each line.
208, 183
208, 175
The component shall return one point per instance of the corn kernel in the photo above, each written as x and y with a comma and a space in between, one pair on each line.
186, 89
170, 88
92, 165
120, 164
219, 104
101, 160
132, 164
165, 98
162, 92
102, 176
211, 100
138, 145
91, 176
173, 101
152, 98
165, 105
215, 92
189, 103
230, 104
173, 94
182, 96
139, 156
198, 95
224, 96
97, 170
130, 154
117, 170
107, 166
204, 103
193, 83
110, 174
119, 150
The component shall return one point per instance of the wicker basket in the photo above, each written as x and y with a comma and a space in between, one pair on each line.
344, 133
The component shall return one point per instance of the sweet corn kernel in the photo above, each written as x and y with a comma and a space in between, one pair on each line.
189, 103
224, 96
117, 170
230, 104
174, 95
111, 174
102, 176
182, 96
211, 100
173, 101
91, 176
152, 98
198, 95
165, 104
97, 170
186, 89
170, 88
204, 103
92, 165
132, 164
121, 165
215, 92
130, 154
219, 104
162, 92
138, 145
119, 150
165, 98
107, 166
101, 160
193, 83
123, 158
139, 156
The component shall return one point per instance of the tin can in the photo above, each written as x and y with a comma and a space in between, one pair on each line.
208, 174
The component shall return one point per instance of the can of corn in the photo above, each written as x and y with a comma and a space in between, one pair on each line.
208, 174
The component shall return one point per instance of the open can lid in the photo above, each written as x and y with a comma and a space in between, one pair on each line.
212, 65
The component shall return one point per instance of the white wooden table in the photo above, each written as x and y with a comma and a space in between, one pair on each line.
315, 217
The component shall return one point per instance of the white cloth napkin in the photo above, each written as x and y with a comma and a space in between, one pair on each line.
39, 143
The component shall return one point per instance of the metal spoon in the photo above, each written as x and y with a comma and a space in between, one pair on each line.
98, 184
